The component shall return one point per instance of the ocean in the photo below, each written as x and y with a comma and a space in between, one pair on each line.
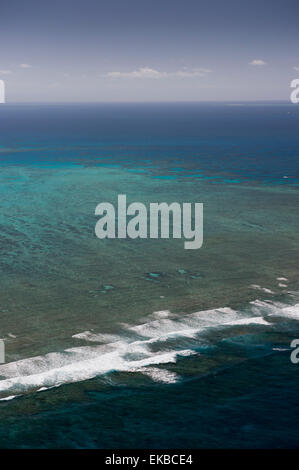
139, 343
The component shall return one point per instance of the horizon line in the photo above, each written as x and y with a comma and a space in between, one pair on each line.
152, 102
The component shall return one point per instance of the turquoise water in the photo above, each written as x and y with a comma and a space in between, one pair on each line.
140, 343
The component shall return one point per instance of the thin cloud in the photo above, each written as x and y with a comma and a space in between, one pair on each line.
147, 72
296, 68
198, 72
257, 62
25, 66
5, 72
143, 72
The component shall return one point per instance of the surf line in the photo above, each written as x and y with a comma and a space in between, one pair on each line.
160, 220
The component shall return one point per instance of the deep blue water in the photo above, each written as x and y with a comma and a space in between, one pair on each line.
252, 142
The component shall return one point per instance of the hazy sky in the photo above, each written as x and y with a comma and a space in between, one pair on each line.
137, 50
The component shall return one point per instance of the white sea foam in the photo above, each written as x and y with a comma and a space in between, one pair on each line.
248, 321
276, 309
189, 326
160, 375
290, 311
96, 337
161, 314
159, 340
79, 370
263, 289
11, 397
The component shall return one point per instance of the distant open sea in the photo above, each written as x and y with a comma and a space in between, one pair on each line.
139, 343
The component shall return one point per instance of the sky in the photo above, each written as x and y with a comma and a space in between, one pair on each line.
158, 50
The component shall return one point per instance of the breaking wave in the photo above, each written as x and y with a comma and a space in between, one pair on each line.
162, 338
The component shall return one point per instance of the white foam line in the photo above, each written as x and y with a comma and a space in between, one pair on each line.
160, 375
248, 321
263, 289
191, 325
11, 397
121, 353
84, 370
291, 311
